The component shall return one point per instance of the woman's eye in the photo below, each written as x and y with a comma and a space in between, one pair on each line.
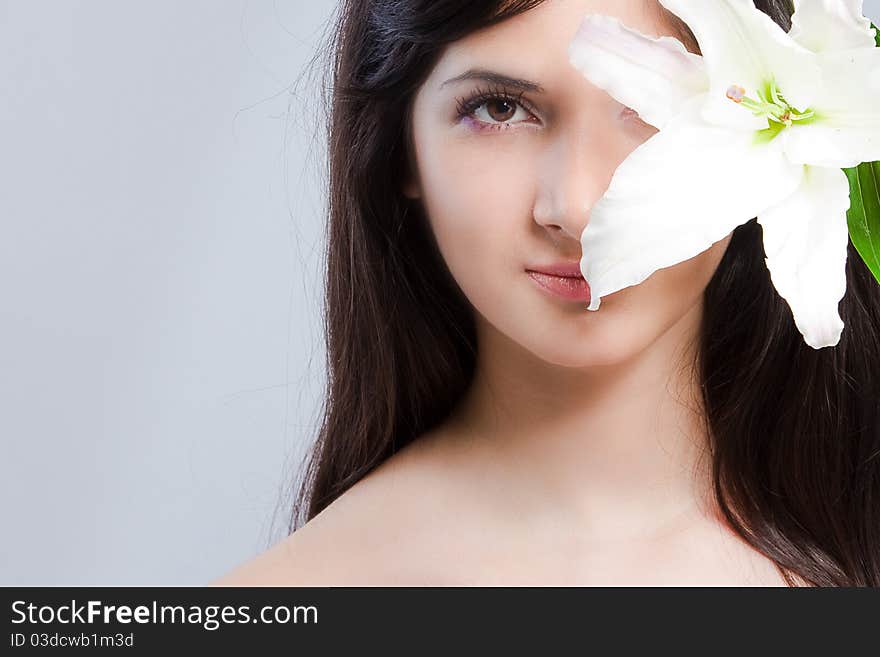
497, 113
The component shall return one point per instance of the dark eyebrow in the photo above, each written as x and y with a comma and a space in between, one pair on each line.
496, 78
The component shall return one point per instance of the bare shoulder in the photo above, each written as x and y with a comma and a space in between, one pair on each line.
367, 535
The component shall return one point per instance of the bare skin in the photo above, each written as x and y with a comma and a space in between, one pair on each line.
578, 456
441, 513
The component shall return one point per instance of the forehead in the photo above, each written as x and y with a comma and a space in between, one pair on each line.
536, 42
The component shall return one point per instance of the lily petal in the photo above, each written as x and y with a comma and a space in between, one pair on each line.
805, 240
684, 189
743, 46
653, 76
826, 25
846, 131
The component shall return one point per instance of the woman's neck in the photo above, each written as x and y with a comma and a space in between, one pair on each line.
619, 448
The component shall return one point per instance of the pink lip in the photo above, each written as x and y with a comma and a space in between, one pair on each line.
565, 269
563, 280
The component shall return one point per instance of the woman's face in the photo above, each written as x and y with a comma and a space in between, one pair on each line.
507, 180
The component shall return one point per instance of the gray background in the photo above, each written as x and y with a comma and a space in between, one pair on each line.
161, 363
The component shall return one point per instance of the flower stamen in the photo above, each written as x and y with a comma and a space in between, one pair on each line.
736, 93
776, 109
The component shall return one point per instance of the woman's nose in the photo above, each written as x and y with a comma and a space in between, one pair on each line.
571, 180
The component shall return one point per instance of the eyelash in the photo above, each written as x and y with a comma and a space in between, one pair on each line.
466, 107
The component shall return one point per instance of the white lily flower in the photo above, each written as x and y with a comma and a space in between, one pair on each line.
761, 125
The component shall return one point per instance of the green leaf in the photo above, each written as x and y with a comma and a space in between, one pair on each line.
863, 217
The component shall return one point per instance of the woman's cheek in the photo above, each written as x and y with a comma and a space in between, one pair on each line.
479, 199
466, 243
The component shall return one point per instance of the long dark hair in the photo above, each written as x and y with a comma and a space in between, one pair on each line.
795, 432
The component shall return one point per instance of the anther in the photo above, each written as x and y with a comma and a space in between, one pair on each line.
736, 93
